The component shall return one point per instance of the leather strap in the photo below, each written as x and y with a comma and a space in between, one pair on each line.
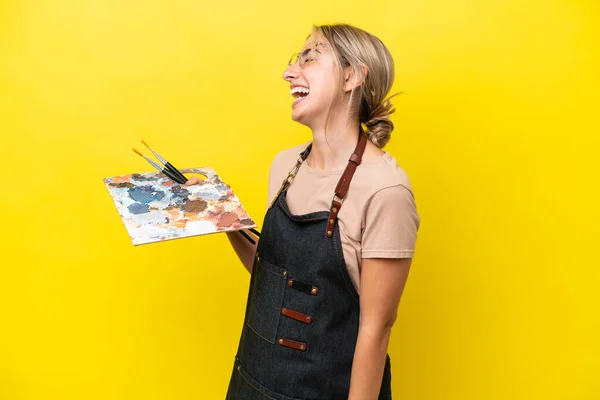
307, 319
342, 186
341, 190
292, 343
292, 174
303, 287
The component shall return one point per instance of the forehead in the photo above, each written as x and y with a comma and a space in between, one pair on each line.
313, 38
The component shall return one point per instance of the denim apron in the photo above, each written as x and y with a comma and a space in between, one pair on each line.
302, 314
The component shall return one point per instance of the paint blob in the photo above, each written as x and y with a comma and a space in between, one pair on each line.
145, 194
138, 208
226, 219
194, 206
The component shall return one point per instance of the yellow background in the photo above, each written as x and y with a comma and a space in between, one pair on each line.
497, 129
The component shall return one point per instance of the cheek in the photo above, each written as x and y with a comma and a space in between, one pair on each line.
323, 85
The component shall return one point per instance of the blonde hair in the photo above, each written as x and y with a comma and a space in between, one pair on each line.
358, 49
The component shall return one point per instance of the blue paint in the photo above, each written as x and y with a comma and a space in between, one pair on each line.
179, 194
138, 208
145, 194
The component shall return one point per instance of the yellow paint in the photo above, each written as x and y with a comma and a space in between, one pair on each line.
497, 128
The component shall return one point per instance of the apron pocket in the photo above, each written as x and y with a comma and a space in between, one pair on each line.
244, 387
266, 299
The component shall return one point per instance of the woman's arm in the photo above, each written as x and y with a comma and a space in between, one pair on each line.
243, 248
381, 285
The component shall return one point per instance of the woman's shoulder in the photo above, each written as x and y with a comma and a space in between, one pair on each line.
387, 202
287, 158
381, 172
283, 162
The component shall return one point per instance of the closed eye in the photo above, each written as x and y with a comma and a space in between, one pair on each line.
305, 52
305, 56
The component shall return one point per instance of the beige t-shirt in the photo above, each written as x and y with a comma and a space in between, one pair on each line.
379, 217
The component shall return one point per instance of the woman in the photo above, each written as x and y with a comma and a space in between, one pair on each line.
344, 220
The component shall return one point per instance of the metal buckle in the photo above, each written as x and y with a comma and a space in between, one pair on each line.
340, 198
288, 180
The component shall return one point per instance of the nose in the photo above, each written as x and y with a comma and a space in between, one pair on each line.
291, 72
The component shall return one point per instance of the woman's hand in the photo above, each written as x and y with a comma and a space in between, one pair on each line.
194, 180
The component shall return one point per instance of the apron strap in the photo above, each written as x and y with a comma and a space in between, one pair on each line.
344, 183
341, 189
292, 174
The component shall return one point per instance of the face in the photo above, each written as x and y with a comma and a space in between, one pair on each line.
313, 77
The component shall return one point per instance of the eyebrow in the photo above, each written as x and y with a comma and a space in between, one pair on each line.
305, 51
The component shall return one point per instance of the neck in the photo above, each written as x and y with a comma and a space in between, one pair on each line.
331, 149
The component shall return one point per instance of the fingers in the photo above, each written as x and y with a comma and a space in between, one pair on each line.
193, 181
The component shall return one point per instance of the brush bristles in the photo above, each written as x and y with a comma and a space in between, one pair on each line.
145, 144
141, 155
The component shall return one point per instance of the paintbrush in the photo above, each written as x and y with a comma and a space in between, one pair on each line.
244, 234
166, 163
257, 233
162, 169
173, 173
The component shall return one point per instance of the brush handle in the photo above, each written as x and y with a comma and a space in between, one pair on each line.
257, 233
173, 177
176, 171
165, 171
244, 234
167, 164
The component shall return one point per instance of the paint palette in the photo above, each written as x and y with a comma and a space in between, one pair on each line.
154, 208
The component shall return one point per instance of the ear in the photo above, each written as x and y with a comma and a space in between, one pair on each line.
352, 80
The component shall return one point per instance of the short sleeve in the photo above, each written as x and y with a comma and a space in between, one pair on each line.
390, 222
283, 162
276, 175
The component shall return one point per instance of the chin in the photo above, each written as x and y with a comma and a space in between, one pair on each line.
302, 121
298, 117
303, 116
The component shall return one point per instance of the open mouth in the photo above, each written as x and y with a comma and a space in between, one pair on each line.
299, 92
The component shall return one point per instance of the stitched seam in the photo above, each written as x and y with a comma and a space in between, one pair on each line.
252, 329
296, 218
280, 274
279, 315
304, 217
348, 284
388, 252
247, 377
254, 387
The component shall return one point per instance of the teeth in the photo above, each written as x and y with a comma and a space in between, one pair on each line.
299, 89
